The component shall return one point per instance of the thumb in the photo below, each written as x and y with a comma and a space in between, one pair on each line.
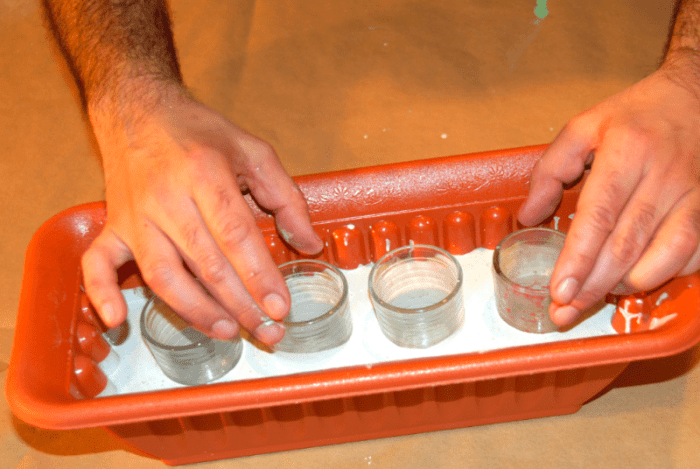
100, 263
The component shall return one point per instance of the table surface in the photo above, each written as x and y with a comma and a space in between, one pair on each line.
335, 85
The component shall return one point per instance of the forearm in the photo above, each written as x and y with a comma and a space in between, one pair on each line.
681, 62
120, 51
685, 34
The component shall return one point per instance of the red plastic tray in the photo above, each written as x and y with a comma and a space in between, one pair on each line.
458, 203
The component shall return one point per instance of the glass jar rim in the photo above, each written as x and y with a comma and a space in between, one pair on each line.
375, 297
496, 264
338, 305
151, 340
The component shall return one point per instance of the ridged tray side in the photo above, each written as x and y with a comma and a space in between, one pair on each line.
323, 422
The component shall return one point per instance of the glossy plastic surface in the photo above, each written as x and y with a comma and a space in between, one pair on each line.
460, 203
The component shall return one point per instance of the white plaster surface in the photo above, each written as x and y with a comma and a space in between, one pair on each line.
483, 330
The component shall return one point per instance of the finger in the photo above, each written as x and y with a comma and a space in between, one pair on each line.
232, 258
691, 267
100, 263
274, 190
562, 163
162, 270
605, 194
674, 249
633, 231
294, 223
194, 243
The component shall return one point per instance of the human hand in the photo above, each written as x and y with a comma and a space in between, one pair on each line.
637, 221
174, 173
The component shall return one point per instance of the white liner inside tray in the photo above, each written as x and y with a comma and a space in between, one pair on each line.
483, 330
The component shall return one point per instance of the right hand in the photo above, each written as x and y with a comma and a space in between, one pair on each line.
637, 222
174, 177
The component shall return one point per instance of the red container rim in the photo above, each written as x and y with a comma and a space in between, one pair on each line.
38, 381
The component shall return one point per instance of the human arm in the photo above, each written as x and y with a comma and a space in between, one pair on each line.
637, 221
174, 172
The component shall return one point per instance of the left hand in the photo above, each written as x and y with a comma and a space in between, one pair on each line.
637, 221
174, 178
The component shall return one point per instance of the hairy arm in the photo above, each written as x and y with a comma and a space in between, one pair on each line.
686, 27
174, 172
637, 220
115, 48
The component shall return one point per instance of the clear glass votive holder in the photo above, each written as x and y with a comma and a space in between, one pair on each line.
522, 268
416, 292
186, 355
319, 316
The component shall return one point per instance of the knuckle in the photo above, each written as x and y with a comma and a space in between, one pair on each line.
686, 235
256, 276
263, 149
583, 258
645, 217
536, 169
639, 138
573, 126
573, 255
223, 198
200, 163
298, 201
613, 191
234, 231
92, 283
212, 268
628, 246
579, 127
191, 234
92, 279
89, 257
260, 154
625, 248
157, 272
539, 169
295, 198
197, 154
602, 218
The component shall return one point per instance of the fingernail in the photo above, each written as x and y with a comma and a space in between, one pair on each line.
275, 306
287, 236
269, 332
318, 242
311, 246
566, 290
223, 329
565, 315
